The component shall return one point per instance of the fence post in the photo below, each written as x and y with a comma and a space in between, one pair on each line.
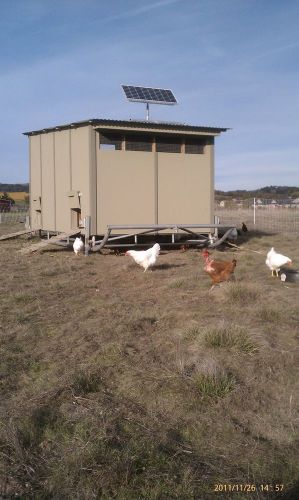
254, 211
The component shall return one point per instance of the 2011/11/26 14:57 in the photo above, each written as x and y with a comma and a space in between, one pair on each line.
266, 487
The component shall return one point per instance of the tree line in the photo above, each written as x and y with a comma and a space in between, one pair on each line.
264, 192
14, 188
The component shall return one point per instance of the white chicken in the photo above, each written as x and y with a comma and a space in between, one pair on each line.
78, 245
275, 261
145, 258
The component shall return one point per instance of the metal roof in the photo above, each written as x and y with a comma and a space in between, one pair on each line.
102, 122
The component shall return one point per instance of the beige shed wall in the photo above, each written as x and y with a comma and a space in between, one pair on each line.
117, 187
184, 188
62, 179
48, 181
80, 161
62, 162
126, 188
35, 181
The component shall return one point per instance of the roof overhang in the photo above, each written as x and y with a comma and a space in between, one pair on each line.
136, 126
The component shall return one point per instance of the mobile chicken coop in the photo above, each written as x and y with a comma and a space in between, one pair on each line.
123, 181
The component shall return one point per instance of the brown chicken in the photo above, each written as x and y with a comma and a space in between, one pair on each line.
218, 270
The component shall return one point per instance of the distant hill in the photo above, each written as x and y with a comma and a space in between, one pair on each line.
264, 192
13, 188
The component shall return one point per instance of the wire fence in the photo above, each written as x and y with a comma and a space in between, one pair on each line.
259, 216
264, 215
16, 213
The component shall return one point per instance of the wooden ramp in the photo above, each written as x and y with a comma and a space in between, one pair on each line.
18, 233
42, 244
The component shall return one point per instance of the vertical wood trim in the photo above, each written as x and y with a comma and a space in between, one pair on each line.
70, 162
156, 188
94, 222
30, 189
54, 174
41, 179
70, 172
212, 180
154, 145
92, 179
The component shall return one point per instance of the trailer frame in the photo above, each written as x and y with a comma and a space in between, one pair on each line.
175, 231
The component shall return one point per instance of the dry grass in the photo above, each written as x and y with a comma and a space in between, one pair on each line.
121, 384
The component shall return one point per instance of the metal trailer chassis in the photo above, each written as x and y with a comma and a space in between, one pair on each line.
177, 234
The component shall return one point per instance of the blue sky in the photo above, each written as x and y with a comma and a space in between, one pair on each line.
230, 63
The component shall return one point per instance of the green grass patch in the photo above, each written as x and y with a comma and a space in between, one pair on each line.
216, 385
230, 336
30, 428
22, 317
50, 273
269, 314
238, 293
177, 283
24, 298
194, 332
86, 381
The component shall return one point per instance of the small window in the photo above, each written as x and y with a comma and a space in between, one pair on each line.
108, 147
168, 145
138, 143
195, 146
110, 142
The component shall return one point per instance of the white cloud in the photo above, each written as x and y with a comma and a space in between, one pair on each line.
140, 10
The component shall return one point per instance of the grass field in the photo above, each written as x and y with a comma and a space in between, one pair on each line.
122, 384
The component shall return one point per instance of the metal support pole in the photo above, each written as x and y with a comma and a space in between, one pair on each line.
216, 221
87, 234
147, 111
254, 211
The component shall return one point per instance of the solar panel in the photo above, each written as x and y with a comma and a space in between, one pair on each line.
149, 95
